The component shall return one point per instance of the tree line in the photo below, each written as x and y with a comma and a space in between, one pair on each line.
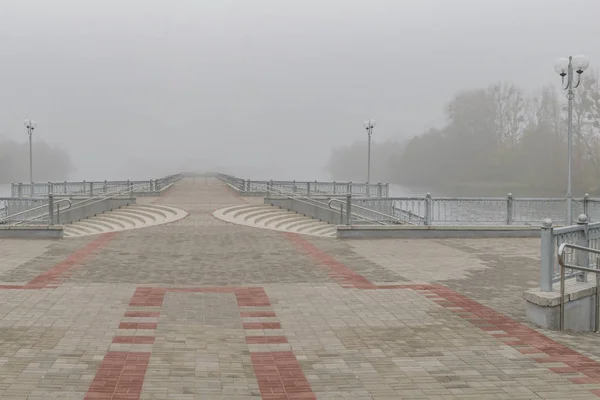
49, 163
500, 137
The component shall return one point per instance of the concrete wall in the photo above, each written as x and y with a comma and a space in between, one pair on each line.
76, 212
543, 308
433, 232
31, 232
303, 206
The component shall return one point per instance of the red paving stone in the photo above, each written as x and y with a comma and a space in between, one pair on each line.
142, 313
261, 325
120, 377
336, 270
138, 325
62, 270
280, 376
134, 339
266, 339
257, 314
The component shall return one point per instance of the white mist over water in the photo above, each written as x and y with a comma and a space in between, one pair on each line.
5, 190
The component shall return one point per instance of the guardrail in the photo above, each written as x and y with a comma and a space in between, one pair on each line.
508, 210
252, 187
92, 188
584, 234
348, 208
593, 267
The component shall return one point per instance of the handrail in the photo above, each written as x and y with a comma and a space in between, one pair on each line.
34, 209
311, 201
366, 209
563, 266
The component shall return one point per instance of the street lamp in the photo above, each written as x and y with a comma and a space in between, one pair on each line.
565, 67
30, 126
369, 125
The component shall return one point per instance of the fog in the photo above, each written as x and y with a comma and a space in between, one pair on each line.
261, 88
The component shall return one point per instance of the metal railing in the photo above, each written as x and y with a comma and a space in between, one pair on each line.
349, 206
15, 219
508, 210
90, 188
587, 267
307, 188
343, 213
584, 234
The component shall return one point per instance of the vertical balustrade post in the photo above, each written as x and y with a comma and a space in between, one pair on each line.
582, 240
84, 189
316, 188
428, 209
49, 187
20, 189
295, 187
586, 204
65, 189
51, 208
269, 188
130, 187
92, 189
509, 209
308, 188
348, 208
334, 184
105, 186
548, 249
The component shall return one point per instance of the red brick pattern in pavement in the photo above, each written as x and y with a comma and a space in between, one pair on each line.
120, 377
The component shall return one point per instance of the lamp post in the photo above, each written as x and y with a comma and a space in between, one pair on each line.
565, 67
369, 125
30, 126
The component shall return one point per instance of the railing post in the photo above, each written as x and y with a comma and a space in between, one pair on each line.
130, 187
20, 189
333, 187
105, 185
84, 188
152, 185
49, 187
247, 189
548, 248
349, 188
295, 187
428, 209
583, 240
379, 189
92, 189
269, 188
65, 189
342, 214
58, 214
348, 208
509, 209
316, 188
308, 189
586, 198
32, 192
51, 208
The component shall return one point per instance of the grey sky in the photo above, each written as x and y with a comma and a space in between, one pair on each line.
131, 86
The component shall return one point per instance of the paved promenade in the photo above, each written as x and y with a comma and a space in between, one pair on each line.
204, 309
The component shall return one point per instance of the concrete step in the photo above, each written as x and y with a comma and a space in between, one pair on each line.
274, 218
125, 218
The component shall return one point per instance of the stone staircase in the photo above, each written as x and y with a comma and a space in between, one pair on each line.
266, 216
130, 217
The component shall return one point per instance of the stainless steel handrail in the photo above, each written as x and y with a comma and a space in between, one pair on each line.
563, 265
366, 209
8, 217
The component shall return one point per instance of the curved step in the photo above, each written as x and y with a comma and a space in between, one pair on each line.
282, 224
247, 209
156, 208
257, 214
272, 214
125, 218
302, 226
113, 221
138, 219
274, 218
95, 221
